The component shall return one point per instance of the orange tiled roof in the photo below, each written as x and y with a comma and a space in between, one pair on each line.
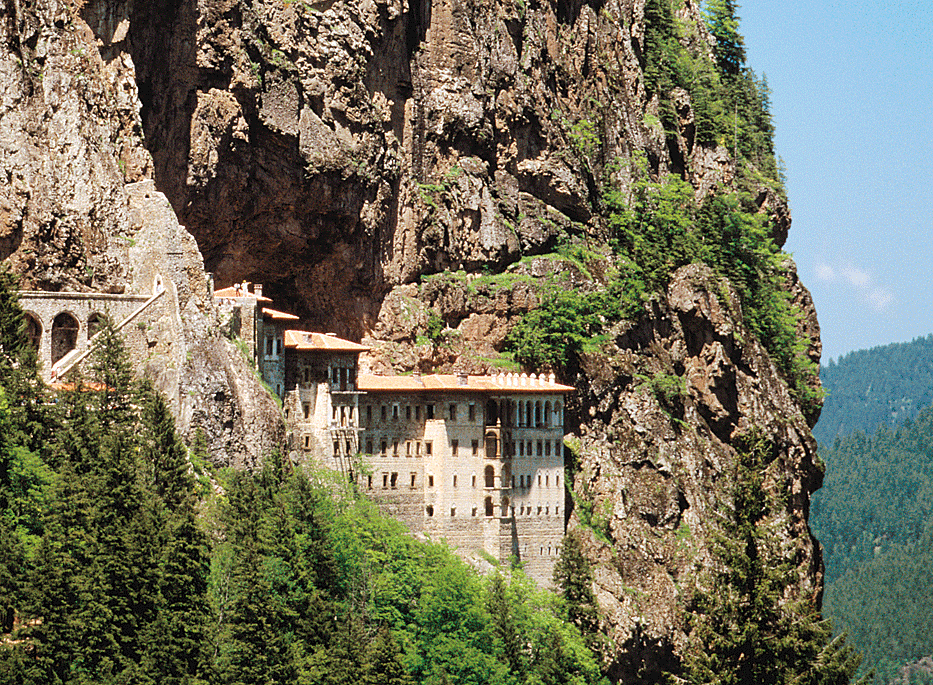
232, 291
306, 341
276, 315
87, 386
506, 382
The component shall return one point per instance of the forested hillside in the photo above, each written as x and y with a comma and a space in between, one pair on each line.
882, 385
874, 517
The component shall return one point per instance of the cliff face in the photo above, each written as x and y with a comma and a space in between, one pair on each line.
338, 151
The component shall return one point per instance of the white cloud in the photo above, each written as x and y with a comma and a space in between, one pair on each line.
880, 299
861, 281
856, 277
825, 272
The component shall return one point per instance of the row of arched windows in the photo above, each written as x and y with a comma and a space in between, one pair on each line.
65, 332
524, 413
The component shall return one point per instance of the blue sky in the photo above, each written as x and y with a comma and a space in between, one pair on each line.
852, 103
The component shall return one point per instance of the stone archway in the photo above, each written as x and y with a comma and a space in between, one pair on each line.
65, 329
33, 331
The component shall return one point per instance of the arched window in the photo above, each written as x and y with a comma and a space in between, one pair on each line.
505, 507
64, 335
490, 474
94, 323
547, 414
492, 446
492, 413
537, 414
33, 331
489, 506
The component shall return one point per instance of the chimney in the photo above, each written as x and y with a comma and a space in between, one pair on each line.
257, 289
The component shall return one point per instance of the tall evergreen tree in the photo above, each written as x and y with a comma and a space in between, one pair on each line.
574, 576
112, 369
723, 23
745, 629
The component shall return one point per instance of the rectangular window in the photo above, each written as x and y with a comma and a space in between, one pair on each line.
521, 480
408, 448
394, 480
383, 412
540, 445
418, 448
475, 447
521, 449
349, 448
539, 480
408, 412
547, 448
454, 444
278, 346
383, 447
430, 481
473, 513
473, 480
413, 476
417, 412
513, 482
307, 442
472, 413
428, 448
385, 481
369, 482
395, 412
306, 410
429, 411
453, 412
369, 446
455, 480
269, 347
557, 448
395, 448
547, 481
453, 512
336, 448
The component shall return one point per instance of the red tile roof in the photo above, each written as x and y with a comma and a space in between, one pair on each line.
276, 315
235, 292
501, 383
306, 341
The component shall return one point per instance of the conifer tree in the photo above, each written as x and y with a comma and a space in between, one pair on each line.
745, 629
723, 23
382, 661
574, 576
112, 369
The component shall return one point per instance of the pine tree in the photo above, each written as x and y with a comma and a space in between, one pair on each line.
509, 642
574, 576
745, 630
112, 369
382, 661
723, 23
175, 643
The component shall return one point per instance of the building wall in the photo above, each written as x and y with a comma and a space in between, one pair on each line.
423, 457
447, 458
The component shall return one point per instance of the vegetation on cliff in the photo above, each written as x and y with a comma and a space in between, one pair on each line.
660, 222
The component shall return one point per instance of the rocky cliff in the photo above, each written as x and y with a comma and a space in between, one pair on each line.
405, 171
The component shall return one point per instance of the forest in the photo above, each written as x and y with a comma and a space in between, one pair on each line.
866, 388
874, 513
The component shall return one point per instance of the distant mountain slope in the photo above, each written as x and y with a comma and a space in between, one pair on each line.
874, 518
881, 385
